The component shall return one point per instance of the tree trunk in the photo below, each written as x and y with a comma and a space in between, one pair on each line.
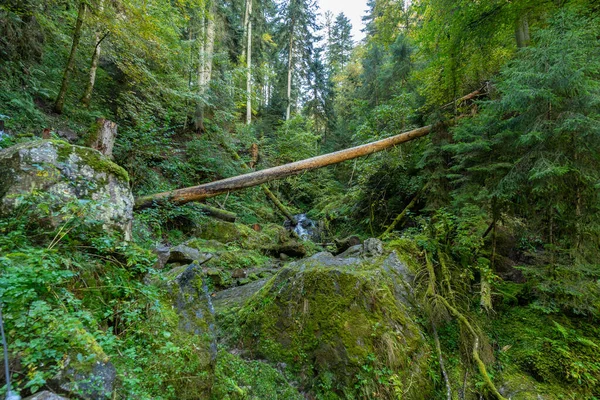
103, 139
87, 94
264, 188
201, 192
289, 80
249, 65
60, 99
205, 66
218, 213
212, 189
522, 32
403, 213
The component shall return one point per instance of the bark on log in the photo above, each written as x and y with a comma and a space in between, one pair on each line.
218, 213
212, 189
270, 195
205, 191
103, 139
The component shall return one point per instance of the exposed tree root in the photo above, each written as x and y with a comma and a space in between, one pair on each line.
480, 364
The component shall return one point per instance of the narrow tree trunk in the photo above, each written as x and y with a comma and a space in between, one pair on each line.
264, 188
60, 99
522, 32
403, 213
87, 94
289, 80
218, 213
249, 66
205, 66
103, 139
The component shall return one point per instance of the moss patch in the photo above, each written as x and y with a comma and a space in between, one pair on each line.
236, 378
341, 330
90, 157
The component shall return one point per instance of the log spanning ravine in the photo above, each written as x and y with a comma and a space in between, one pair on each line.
212, 189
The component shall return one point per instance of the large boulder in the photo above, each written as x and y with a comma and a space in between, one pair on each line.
66, 173
343, 325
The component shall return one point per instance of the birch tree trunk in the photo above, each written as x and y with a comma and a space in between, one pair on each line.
249, 65
87, 94
60, 99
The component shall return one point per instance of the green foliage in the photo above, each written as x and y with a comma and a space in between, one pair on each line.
240, 379
76, 293
554, 350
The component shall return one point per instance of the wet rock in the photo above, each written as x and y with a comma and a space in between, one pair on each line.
291, 248
66, 173
369, 248
344, 244
239, 273
45, 395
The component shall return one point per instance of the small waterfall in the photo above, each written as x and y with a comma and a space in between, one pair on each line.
306, 228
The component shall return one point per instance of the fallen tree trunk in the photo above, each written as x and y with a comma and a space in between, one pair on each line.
207, 190
218, 213
212, 189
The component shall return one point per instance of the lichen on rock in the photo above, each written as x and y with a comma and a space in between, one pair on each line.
67, 173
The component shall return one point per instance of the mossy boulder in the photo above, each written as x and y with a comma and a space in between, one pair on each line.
67, 173
342, 327
87, 373
193, 325
271, 239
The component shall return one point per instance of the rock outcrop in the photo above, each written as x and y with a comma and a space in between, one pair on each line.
342, 323
65, 173
194, 326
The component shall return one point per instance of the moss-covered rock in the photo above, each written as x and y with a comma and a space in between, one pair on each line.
271, 239
66, 173
194, 324
341, 327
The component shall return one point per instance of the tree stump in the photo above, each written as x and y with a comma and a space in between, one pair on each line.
103, 139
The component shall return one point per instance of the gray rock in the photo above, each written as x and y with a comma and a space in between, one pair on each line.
236, 296
163, 253
67, 172
327, 259
97, 383
401, 275
372, 247
185, 254
353, 251
369, 248
239, 273
192, 300
45, 395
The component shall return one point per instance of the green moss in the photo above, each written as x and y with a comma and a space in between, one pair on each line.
408, 252
90, 157
341, 328
236, 378
556, 355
